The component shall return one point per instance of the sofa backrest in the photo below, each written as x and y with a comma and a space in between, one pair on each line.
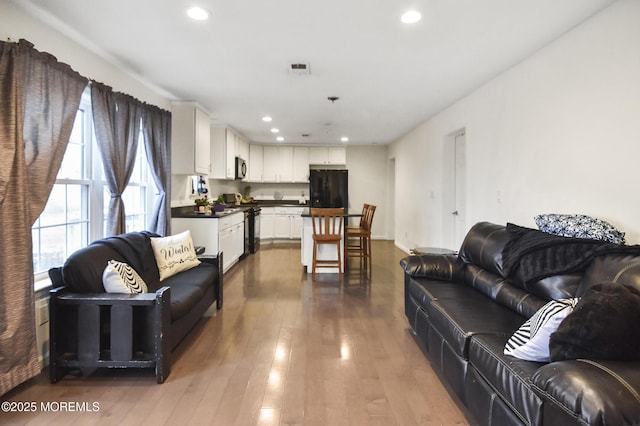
617, 268
482, 250
82, 271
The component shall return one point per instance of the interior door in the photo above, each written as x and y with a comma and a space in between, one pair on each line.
459, 188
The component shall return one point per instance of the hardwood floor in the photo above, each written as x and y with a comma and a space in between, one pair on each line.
282, 351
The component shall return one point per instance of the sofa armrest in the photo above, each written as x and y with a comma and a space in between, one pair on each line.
589, 392
446, 267
216, 260
137, 326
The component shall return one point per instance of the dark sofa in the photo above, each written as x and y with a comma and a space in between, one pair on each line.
90, 328
462, 309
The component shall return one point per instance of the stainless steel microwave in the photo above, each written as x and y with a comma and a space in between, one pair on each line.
241, 168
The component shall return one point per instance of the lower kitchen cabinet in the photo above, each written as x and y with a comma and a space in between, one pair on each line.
216, 234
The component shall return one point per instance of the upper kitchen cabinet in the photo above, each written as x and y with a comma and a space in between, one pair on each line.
300, 164
328, 155
190, 139
226, 145
256, 166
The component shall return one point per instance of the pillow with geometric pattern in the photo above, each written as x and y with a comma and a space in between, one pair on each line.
531, 341
579, 226
119, 277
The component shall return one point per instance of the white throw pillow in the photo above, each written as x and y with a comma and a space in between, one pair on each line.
531, 340
119, 277
175, 253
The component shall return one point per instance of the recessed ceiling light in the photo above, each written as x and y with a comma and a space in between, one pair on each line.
198, 13
411, 17
267, 119
344, 139
279, 138
274, 130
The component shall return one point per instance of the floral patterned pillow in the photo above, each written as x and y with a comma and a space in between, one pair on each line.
579, 226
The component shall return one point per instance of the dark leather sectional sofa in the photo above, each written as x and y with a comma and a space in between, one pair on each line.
462, 310
90, 328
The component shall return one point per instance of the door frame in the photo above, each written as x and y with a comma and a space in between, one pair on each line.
449, 221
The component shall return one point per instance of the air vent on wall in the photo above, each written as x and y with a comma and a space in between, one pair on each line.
300, 68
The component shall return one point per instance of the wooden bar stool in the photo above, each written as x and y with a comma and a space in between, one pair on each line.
327, 229
358, 238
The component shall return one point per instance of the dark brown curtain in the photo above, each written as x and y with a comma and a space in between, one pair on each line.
157, 137
39, 98
116, 120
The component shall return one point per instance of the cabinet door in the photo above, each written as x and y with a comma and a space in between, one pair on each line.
282, 226
270, 169
318, 155
337, 155
285, 164
256, 153
300, 164
202, 142
218, 153
225, 241
296, 227
266, 223
231, 155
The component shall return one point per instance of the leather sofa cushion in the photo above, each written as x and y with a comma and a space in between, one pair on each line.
424, 290
82, 271
188, 287
458, 319
617, 268
569, 385
483, 246
509, 376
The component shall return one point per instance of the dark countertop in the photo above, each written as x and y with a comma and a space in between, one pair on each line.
307, 213
191, 211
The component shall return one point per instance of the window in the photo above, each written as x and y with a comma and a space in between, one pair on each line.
76, 210
138, 196
63, 226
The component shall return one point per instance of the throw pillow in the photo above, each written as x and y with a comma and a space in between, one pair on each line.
531, 340
119, 277
579, 226
175, 253
604, 325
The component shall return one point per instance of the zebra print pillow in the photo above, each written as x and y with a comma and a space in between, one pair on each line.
119, 277
531, 340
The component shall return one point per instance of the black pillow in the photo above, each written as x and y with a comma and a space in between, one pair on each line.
605, 324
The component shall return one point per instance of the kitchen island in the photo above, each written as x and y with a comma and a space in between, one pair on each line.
216, 232
324, 251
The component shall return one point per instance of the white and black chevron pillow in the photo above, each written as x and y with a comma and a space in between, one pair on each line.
531, 340
119, 277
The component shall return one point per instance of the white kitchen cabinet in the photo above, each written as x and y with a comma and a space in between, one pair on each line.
267, 223
190, 139
277, 164
288, 222
226, 145
256, 163
335, 155
270, 168
300, 164
224, 234
231, 238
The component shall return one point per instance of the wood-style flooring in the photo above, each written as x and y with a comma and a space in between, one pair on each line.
282, 351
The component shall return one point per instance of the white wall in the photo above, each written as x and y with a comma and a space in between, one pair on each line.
368, 184
560, 132
16, 24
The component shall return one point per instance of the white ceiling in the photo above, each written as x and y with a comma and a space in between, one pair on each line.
389, 76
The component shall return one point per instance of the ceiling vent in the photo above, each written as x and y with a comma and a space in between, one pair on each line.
299, 68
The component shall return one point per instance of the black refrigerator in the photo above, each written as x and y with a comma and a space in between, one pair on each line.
329, 188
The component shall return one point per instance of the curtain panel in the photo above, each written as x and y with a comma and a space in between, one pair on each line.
157, 136
39, 98
116, 120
